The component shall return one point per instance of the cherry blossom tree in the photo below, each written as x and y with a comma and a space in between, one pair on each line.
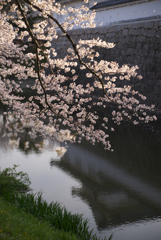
56, 104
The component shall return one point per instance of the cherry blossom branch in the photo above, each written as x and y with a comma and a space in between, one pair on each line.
39, 77
27, 23
73, 45
37, 56
38, 63
63, 102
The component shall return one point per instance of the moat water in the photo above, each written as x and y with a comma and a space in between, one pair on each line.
119, 192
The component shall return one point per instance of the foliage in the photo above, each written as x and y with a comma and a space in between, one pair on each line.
58, 217
57, 99
14, 181
15, 223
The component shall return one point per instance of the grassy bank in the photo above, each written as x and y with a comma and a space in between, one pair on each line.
24, 215
15, 223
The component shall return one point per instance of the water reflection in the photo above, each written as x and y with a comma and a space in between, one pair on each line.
114, 195
122, 187
119, 191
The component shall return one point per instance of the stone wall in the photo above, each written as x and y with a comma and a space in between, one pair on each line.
137, 43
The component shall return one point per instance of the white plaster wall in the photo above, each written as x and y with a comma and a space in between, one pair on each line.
122, 12
129, 12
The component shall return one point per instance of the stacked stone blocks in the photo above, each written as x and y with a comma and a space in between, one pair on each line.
137, 43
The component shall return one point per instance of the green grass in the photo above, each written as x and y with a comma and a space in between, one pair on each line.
14, 187
15, 223
25, 215
57, 216
13, 181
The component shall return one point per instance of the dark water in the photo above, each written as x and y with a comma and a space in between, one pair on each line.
120, 192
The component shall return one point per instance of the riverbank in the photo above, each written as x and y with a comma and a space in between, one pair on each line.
15, 223
24, 215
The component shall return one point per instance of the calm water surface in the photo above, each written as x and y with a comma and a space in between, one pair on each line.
119, 192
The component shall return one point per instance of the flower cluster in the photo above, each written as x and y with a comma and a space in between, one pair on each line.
56, 98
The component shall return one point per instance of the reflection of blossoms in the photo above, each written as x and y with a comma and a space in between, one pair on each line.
40, 146
14, 143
